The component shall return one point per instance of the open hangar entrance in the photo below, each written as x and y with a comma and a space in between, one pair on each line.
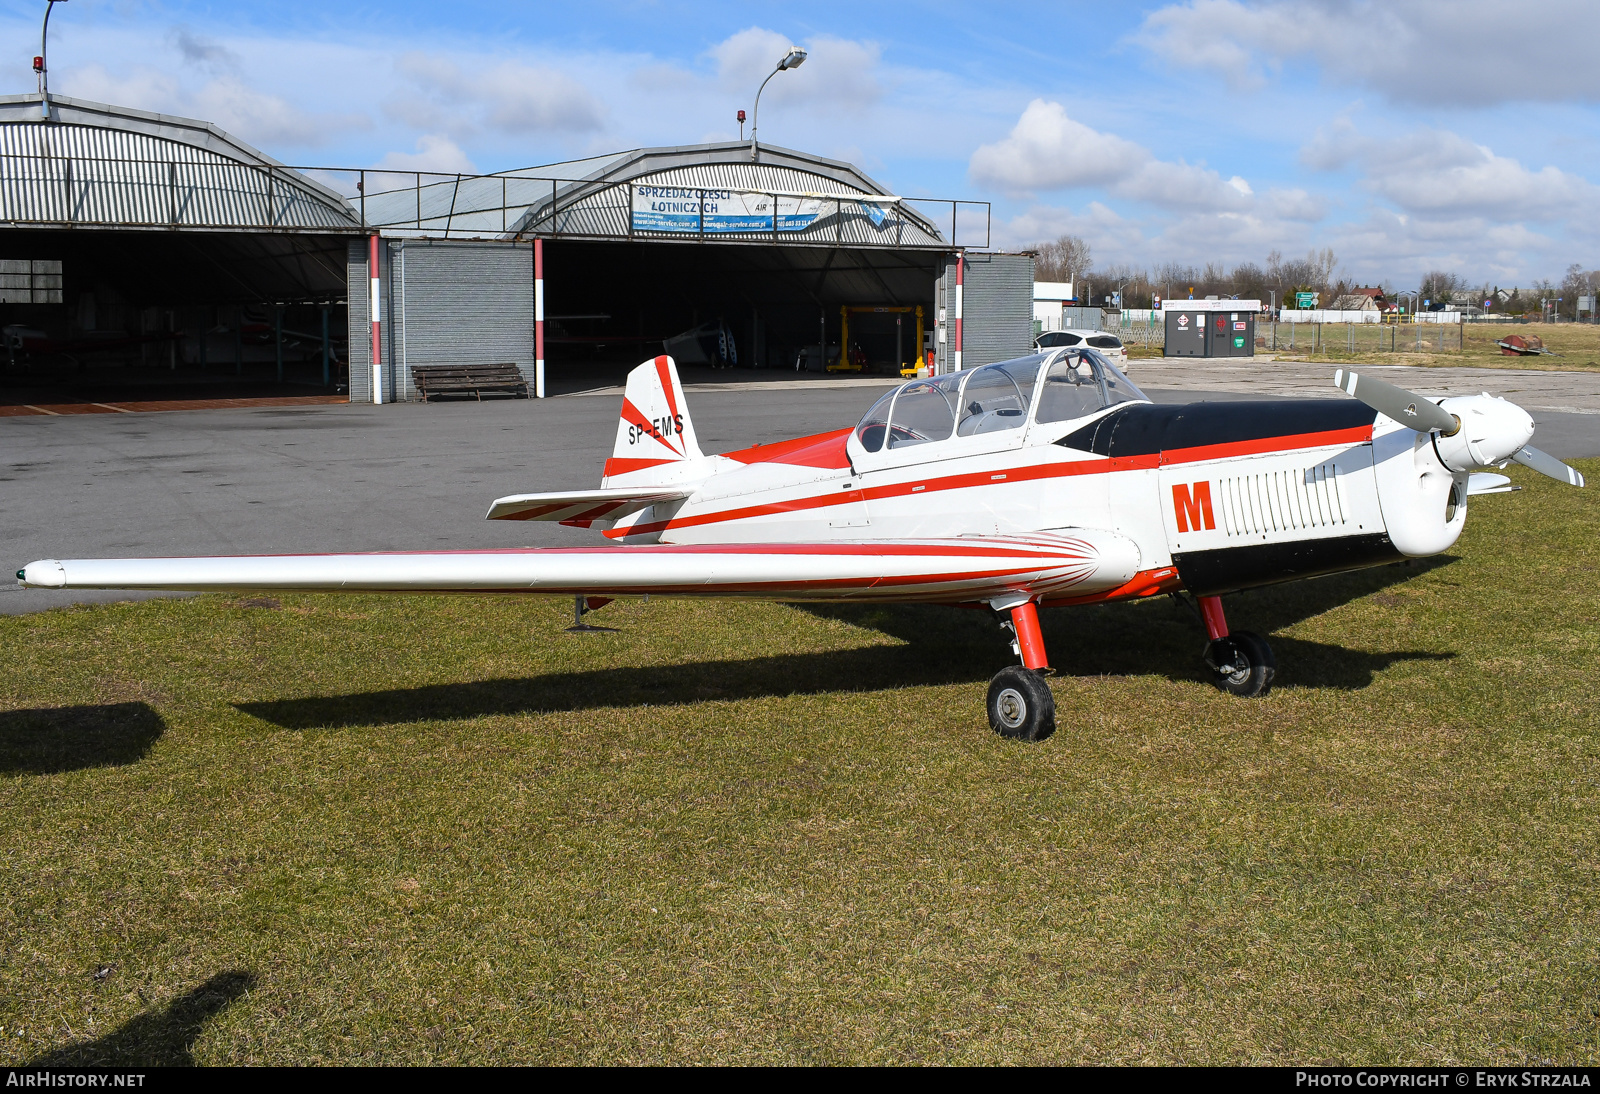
613, 258
144, 257
618, 302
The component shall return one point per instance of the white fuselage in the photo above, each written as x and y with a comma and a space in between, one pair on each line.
1278, 491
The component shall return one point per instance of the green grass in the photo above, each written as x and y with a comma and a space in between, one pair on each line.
1577, 346
442, 830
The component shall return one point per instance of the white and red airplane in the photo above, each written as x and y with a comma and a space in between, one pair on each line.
1049, 480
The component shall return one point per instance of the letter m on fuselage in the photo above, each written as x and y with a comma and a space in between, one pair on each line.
1191, 502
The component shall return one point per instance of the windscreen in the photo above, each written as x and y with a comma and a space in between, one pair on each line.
924, 410
1081, 382
997, 397
875, 424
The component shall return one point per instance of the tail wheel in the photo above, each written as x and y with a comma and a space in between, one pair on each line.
1242, 664
1020, 705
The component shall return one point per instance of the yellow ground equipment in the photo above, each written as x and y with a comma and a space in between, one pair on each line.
844, 364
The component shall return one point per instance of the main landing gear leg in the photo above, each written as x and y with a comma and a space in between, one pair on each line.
1241, 662
1020, 703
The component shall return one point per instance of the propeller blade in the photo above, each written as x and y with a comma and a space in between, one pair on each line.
1546, 464
1405, 407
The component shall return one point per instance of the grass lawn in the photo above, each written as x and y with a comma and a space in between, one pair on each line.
1578, 345
442, 830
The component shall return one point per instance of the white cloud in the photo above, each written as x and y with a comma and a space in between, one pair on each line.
1437, 172
1295, 204
510, 97
840, 73
1431, 52
226, 101
1047, 150
433, 153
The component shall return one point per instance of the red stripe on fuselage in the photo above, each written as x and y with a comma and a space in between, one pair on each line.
1360, 434
825, 450
891, 490
1357, 435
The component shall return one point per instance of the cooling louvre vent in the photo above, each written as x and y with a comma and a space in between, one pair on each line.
1280, 501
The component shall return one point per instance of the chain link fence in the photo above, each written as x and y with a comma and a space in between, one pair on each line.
1149, 333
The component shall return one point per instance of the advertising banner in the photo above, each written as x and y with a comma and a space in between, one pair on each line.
688, 209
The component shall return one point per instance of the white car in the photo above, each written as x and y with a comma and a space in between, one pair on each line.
1109, 345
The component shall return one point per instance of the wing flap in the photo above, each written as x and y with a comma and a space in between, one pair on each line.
948, 571
611, 503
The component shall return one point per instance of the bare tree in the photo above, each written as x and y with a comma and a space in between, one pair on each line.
1064, 259
1313, 273
1250, 281
1439, 286
1577, 282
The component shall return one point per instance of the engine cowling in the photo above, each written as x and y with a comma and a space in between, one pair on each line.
1423, 477
1490, 433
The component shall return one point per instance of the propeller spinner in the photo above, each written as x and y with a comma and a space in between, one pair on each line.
1471, 431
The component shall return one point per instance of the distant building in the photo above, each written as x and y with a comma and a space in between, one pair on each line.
1358, 301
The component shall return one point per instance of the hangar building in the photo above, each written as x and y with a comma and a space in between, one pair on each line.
137, 248
141, 248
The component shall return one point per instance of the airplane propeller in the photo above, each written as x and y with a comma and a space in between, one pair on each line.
1404, 407
1472, 431
1546, 464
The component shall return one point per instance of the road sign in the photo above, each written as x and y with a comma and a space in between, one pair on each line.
1305, 299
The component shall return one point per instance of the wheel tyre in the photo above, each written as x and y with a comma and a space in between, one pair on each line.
1242, 664
1020, 705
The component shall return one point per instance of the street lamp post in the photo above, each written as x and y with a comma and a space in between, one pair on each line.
793, 59
39, 62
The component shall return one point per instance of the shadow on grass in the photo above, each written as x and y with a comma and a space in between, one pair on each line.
941, 646
50, 740
156, 1038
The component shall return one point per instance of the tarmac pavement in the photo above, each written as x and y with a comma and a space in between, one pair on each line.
421, 476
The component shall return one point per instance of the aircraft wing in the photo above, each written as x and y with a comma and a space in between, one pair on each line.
612, 503
1069, 563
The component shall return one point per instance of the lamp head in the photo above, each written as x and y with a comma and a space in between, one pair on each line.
793, 59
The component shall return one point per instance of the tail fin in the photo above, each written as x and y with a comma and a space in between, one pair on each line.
655, 438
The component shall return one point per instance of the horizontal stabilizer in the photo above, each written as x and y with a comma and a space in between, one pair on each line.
1072, 562
606, 504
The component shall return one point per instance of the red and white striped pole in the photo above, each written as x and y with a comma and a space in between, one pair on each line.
961, 262
538, 318
374, 309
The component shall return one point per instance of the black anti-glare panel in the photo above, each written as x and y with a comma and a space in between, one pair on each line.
1143, 429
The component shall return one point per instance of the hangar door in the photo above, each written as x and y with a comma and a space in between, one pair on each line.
996, 305
445, 303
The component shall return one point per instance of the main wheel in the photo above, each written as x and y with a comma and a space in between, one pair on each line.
1020, 705
1242, 664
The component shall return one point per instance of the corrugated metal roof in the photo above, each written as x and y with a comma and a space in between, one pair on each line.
94, 165
593, 197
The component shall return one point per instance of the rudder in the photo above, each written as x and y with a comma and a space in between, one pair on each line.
655, 435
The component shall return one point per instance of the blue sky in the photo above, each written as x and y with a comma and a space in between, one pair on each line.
1406, 136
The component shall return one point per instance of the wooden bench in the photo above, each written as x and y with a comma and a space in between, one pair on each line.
472, 380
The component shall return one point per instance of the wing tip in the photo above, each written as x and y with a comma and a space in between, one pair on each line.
47, 573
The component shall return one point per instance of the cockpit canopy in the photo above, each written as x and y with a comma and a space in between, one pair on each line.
1070, 383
